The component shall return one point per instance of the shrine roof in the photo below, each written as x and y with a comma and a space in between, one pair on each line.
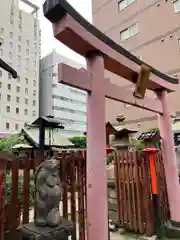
70, 27
151, 135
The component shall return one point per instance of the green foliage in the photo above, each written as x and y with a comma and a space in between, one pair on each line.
8, 189
7, 143
139, 145
153, 129
78, 141
109, 158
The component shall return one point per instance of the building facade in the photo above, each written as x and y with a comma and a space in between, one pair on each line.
61, 101
20, 38
151, 31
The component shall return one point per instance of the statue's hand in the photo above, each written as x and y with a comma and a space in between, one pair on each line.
51, 181
42, 193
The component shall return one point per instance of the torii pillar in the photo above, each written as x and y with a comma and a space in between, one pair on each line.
96, 152
169, 157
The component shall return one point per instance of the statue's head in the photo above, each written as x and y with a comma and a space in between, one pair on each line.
48, 167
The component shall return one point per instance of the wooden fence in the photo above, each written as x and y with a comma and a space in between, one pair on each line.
133, 192
16, 207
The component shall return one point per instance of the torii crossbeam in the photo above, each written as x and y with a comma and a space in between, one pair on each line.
103, 53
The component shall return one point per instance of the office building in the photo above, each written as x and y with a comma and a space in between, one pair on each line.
20, 38
151, 31
63, 102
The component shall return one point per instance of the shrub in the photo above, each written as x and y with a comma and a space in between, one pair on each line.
8, 189
78, 141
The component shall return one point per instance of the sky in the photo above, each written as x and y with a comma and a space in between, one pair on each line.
48, 42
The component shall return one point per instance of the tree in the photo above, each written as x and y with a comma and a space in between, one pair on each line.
78, 141
7, 143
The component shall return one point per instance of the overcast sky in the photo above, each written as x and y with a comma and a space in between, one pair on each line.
48, 42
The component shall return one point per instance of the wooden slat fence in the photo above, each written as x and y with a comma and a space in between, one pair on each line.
133, 191
16, 210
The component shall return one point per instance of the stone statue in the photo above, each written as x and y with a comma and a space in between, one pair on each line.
48, 194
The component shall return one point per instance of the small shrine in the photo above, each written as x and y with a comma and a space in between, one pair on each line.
151, 139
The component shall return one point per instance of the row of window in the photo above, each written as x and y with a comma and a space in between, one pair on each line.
70, 121
68, 99
134, 28
68, 110
26, 100
8, 110
8, 126
9, 87
122, 4
18, 79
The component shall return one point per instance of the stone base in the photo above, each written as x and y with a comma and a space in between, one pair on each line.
172, 230
31, 232
147, 238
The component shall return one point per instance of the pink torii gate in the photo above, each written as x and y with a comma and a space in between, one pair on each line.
103, 53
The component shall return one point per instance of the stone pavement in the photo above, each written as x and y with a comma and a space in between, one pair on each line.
118, 236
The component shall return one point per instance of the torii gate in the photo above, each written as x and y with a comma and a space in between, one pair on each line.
103, 53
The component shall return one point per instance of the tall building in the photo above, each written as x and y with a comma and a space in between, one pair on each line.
61, 101
151, 31
20, 38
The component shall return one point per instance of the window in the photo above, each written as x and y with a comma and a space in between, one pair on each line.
124, 3
1, 52
18, 89
0, 73
20, 28
27, 42
1, 40
1, 30
8, 98
129, 32
17, 99
11, 45
176, 6
26, 101
34, 83
34, 113
18, 78
19, 38
34, 103
7, 125
34, 92
27, 52
27, 61
35, 45
26, 80
19, 61
17, 110
11, 34
26, 91
10, 55
16, 126
25, 112
9, 86
19, 48
0, 84
8, 109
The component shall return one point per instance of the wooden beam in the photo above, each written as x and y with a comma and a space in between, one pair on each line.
81, 79
74, 77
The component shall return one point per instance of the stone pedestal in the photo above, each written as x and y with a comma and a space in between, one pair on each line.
31, 232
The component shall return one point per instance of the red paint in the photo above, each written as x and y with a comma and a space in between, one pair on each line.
153, 173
